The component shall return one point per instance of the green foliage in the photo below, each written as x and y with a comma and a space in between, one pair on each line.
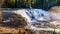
11, 2
44, 4
47, 1
28, 3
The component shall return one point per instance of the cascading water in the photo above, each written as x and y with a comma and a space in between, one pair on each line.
33, 16
36, 17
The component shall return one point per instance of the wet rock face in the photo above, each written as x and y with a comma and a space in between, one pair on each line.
12, 20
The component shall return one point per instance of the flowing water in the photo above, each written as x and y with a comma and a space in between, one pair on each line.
35, 17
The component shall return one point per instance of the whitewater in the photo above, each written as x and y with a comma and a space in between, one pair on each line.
34, 17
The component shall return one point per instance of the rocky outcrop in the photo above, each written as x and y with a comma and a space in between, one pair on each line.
55, 13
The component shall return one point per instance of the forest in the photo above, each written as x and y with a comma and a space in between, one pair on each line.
42, 4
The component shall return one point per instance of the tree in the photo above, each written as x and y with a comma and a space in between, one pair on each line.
43, 4
28, 3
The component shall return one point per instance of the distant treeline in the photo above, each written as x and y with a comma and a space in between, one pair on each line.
43, 4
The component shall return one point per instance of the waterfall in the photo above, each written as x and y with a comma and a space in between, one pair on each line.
33, 16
